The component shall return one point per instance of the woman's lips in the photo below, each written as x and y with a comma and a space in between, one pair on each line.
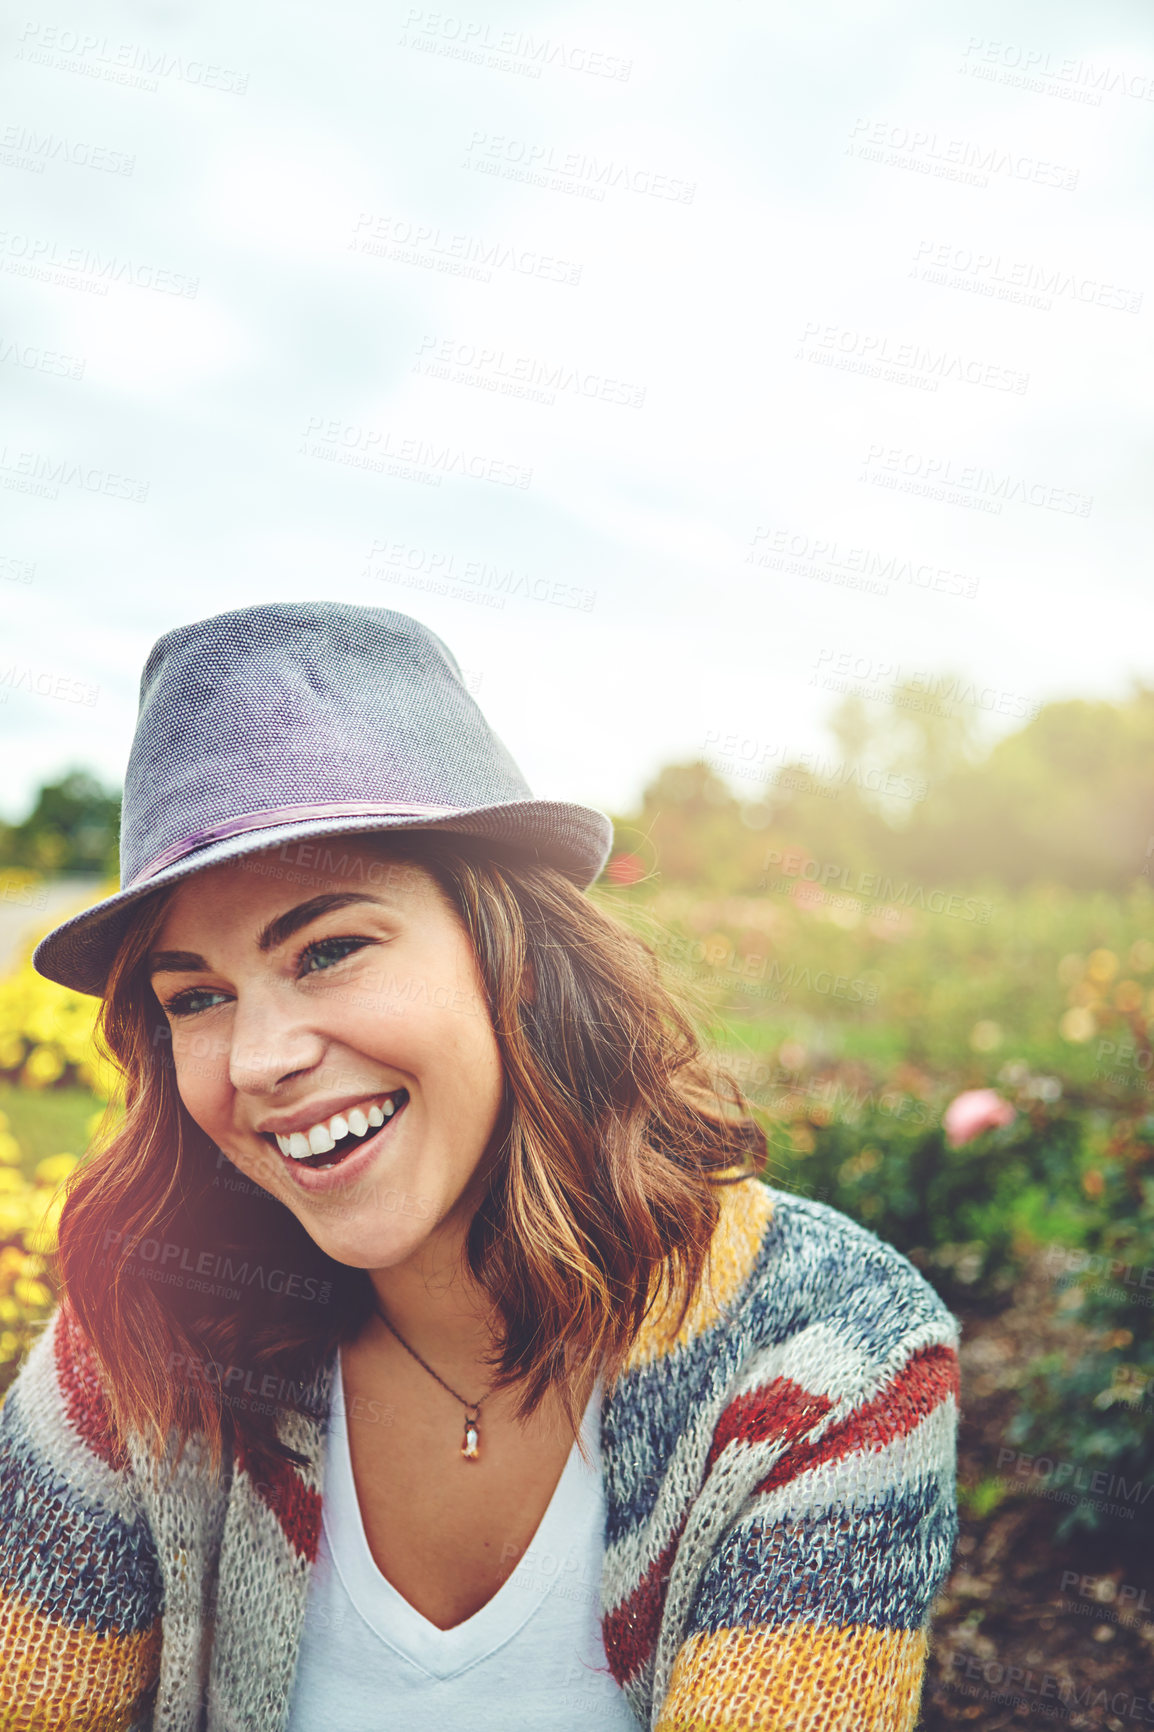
343, 1172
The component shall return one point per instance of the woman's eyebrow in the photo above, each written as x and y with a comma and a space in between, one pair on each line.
274, 934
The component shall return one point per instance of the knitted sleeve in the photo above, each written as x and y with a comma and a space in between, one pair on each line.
812, 1612
80, 1585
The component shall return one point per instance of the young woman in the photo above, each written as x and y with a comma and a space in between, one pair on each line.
430, 1350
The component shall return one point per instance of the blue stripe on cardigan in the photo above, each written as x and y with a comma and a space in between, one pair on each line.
879, 1564
118, 1588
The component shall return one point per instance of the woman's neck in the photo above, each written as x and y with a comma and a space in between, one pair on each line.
441, 1312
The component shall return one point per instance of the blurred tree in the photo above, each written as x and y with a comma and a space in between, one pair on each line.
694, 830
1069, 799
927, 735
73, 827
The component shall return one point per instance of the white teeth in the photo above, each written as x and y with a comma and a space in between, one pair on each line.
321, 1139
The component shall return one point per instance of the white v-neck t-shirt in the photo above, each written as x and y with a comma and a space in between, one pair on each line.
532, 1657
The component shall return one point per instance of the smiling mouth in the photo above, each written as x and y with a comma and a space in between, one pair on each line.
348, 1145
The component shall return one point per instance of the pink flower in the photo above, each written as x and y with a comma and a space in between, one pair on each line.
975, 1111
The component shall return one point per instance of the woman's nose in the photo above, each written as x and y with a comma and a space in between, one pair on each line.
270, 1042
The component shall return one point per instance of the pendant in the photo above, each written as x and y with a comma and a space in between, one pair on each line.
471, 1448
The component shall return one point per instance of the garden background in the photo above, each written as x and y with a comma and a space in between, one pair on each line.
930, 966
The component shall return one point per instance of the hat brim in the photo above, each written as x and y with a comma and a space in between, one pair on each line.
577, 840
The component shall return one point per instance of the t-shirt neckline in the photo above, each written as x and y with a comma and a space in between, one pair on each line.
442, 1653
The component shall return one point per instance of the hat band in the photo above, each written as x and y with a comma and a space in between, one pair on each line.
270, 816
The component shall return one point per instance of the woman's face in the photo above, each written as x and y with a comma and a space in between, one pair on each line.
338, 1007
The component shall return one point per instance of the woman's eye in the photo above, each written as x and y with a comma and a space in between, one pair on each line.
335, 949
182, 1004
323, 951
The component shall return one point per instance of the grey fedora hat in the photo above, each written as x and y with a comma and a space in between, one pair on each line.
296, 719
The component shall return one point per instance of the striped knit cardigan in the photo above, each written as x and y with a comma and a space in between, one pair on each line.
779, 1479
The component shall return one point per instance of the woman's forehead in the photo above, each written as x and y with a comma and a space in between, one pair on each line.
275, 879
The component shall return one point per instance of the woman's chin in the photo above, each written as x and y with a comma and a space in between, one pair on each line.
369, 1244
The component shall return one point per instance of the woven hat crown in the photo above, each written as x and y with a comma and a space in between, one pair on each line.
301, 704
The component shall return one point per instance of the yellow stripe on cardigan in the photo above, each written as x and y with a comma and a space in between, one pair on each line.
66, 1678
746, 1211
796, 1678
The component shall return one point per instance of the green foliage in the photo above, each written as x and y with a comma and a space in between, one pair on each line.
966, 1215
1097, 1403
74, 826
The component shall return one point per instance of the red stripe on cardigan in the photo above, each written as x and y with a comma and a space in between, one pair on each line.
294, 1504
781, 1411
630, 1632
923, 1383
85, 1401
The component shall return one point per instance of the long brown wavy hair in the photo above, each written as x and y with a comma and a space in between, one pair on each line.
209, 1307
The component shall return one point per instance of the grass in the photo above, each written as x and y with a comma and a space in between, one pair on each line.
47, 1121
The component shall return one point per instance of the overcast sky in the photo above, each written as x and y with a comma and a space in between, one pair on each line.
677, 365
